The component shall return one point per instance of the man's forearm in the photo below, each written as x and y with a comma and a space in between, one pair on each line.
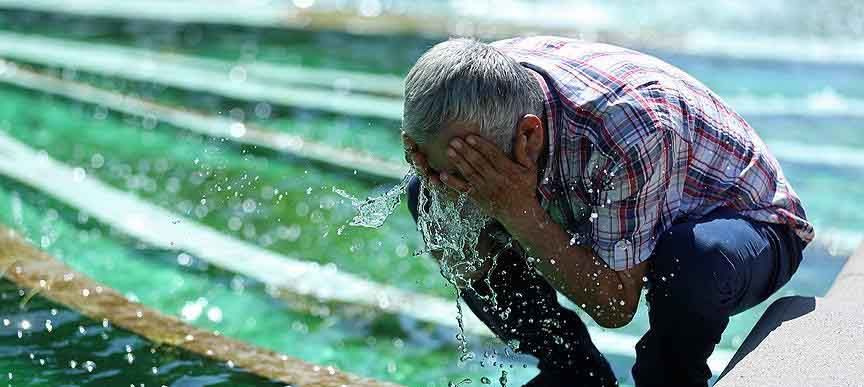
572, 270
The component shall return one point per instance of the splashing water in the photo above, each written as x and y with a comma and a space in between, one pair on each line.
374, 211
463, 381
451, 228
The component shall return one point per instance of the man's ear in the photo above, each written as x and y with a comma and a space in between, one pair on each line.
531, 135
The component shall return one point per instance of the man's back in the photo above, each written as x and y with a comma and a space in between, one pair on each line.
640, 145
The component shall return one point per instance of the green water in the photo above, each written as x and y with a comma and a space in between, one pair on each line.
284, 205
77, 350
381, 347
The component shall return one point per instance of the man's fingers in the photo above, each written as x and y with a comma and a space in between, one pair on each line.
490, 151
467, 170
408, 143
419, 161
416, 158
409, 146
460, 151
454, 182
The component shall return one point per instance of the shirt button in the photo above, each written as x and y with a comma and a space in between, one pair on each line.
623, 250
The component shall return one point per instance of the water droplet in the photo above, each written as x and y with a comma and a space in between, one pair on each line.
214, 314
78, 174
97, 161
237, 74
184, 259
304, 3
249, 206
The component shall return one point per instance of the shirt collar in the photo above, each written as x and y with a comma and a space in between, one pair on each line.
544, 186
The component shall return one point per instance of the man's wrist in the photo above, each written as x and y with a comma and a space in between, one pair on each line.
525, 221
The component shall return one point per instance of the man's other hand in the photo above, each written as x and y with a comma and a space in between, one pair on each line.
415, 157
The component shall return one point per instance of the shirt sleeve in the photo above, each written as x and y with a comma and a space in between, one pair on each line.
629, 182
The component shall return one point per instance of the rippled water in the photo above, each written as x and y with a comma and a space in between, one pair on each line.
46, 344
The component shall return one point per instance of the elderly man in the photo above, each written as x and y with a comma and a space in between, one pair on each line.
611, 171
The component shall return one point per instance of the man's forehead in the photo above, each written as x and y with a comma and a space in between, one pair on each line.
442, 139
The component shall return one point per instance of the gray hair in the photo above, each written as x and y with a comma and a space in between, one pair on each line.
469, 82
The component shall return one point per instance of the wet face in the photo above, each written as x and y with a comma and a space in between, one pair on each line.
453, 223
436, 149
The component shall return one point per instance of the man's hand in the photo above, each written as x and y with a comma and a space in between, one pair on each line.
505, 189
416, 158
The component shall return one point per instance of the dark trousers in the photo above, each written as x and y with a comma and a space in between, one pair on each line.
702, 272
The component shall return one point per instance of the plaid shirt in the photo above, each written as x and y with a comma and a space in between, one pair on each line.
636, 144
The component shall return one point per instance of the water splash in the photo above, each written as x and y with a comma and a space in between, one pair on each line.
374, 211
465, 352
451, 226
464, 381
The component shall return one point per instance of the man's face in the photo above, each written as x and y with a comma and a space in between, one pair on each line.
452, 223
436, 149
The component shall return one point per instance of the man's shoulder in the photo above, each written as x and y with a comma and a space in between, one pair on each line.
554, 45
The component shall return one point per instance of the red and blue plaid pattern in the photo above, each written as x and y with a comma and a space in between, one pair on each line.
636, 144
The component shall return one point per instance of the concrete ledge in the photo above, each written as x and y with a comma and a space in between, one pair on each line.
849, 285
801, 341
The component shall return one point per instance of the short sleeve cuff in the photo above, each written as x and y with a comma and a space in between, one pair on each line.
624, 253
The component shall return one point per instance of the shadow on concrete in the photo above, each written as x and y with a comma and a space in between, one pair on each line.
780, 311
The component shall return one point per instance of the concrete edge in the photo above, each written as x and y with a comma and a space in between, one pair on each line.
849, 285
